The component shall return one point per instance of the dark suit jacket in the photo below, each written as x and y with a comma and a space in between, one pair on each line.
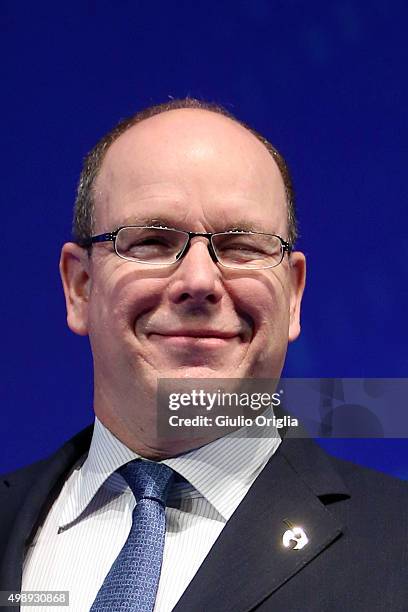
356, 521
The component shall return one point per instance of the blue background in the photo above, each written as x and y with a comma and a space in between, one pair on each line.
324, 81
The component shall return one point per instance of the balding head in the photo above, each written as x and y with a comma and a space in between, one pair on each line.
193, 158
83, 225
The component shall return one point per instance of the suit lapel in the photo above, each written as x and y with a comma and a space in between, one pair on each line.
248, 562
37, 496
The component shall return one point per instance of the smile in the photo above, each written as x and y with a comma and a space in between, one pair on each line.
205, 339
198, 333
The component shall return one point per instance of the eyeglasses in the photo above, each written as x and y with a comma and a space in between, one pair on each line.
162, 246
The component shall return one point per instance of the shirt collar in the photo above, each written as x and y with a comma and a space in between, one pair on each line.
221, 471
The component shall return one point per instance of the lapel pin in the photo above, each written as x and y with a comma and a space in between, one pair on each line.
295, 537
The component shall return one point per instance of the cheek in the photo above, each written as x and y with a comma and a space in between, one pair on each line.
116, 305
273, 331
263, 299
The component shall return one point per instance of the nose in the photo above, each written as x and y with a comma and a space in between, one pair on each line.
197, 278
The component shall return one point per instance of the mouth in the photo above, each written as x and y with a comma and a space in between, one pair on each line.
204, 338
197, 333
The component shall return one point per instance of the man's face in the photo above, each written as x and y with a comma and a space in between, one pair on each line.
191, 170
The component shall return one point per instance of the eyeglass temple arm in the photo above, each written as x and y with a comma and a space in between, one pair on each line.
103, 237
287, 246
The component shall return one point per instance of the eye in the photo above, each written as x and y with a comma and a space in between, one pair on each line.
241, 248
244, 243
151, 241
149, 244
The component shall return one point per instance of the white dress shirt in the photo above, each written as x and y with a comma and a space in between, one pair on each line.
90, 520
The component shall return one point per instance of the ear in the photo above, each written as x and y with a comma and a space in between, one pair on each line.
297, 272
75, 274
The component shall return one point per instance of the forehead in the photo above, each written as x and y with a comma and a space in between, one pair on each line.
193, 166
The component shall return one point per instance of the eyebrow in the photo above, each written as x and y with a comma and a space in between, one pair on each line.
244, 226
132, 220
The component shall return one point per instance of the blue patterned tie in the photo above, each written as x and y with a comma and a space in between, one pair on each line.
132, 581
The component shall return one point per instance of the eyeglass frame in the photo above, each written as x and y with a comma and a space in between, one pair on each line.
286, 247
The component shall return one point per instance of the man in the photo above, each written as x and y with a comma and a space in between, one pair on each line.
250, 523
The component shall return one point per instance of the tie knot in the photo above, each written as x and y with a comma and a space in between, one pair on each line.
148, 479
